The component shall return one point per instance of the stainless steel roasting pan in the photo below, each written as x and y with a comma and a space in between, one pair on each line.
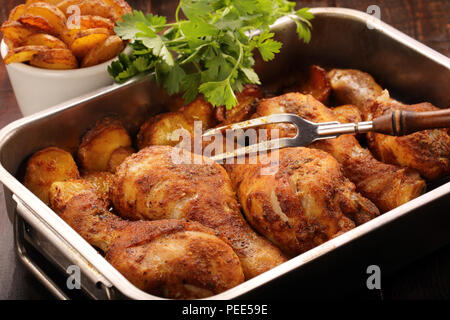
341, 38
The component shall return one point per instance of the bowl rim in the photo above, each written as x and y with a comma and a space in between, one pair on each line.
79, 72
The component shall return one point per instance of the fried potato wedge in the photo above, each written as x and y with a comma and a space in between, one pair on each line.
70, 35
42, 39
15, 33
101, 181
90, 22
104, 51
90, 7
57, 59
17, 12
99, 143
53, 2
81, 46
45, 17
47, 166
118, 156
162, 130
120, 6
22, 54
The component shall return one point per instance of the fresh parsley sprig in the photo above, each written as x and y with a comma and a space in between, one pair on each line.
209, 52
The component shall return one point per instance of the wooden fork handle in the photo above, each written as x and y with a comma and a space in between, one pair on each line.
401, 122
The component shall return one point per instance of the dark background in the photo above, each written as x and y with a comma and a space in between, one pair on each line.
425, 20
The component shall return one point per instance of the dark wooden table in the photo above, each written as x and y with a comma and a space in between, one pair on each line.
425, 20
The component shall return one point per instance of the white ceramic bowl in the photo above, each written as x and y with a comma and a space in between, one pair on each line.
37, 89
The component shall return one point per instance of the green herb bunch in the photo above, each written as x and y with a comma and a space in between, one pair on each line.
210, 52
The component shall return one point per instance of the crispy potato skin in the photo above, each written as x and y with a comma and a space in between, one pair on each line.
98, 144
45, 17
168, 258
158, 130
91, 38
58, 59
305, 202
149, 185
15, 33
386, 185
427, 151
42, 39
22, 54
103, 51
200, 110
47, 166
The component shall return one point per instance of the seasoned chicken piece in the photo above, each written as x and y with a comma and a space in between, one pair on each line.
47, 166
167, 258
347, 113
155, 183
99, 143
388, 186
118, 156
317, 85
426, 151
304, 201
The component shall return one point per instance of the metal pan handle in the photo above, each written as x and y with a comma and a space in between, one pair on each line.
65, 249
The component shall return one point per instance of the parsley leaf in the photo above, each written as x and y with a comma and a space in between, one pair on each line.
210, 52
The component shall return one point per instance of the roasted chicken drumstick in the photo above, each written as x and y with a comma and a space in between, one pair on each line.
426, 151
303, 203
151, 185
167, 258
388, 186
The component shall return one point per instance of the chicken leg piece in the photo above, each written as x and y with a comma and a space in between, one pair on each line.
305, 201
386, 185
167, 258
153, 184
427, 151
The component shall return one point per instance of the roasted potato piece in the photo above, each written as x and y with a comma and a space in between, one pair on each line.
17, 12
90, 7
103, 51
246, 106
90, 22
81, 46
47, 166
70, 35
57, 59
98, 144
15, 33
118, 156
42, 39
200, 110
23, 54
101, 181
158, 130
120, 6
53, 2
45, 17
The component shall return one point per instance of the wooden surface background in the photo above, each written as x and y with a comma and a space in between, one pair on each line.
425, 20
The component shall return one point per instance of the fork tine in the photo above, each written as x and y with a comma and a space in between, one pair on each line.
274, 118
254, 148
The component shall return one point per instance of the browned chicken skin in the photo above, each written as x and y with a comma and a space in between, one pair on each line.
388, 186
304, 202
426, 151
149, 185
168, 258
